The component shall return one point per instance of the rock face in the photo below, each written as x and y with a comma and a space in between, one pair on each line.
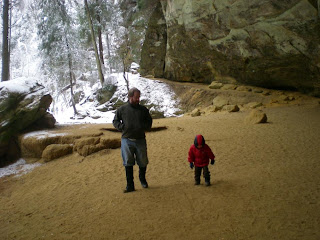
273, 44
23, 104
153, 55
48, 145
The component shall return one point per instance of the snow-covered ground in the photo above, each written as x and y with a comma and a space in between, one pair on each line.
18, 168
153, 92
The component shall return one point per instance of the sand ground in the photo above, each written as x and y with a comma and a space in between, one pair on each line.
265, 185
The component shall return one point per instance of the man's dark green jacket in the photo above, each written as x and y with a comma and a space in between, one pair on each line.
132, 121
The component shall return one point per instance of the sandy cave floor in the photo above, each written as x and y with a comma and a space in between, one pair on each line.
265, 185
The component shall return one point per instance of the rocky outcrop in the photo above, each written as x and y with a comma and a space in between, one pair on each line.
87, 146
23, 104
273, 44
50, 145
136, 15
33, 144
54, 151
154, 51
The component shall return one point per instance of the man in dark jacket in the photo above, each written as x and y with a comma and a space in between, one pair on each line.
133, 119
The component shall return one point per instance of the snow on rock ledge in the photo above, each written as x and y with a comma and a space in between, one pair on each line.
23, 102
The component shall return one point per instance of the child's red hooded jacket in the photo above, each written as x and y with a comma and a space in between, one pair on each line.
200, 156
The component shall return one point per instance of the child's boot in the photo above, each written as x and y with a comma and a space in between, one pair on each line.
207, 181
206, 174
197, 175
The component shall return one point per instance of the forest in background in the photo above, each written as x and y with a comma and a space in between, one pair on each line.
61, 41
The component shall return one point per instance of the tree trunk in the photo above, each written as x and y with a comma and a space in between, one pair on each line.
101, 77
126, 78
5, 43
111, 67
126, 58
100, 45
71, 78
99, 37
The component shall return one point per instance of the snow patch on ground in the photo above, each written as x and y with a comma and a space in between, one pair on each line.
19, 168
42, 134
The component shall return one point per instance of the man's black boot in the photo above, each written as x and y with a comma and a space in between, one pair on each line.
142, 177
130, 182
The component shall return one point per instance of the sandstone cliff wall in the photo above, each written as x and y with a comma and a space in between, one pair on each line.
274, 44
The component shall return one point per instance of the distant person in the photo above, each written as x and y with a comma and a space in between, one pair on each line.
133, 119
198, 157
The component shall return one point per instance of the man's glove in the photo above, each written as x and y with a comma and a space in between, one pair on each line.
212, 161
191, 165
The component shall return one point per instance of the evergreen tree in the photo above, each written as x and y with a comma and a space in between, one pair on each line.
58, 42
102, 14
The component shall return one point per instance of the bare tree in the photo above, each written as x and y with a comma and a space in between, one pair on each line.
99, 35
101, 77
126, 56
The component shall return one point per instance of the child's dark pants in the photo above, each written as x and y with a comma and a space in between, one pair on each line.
197, 174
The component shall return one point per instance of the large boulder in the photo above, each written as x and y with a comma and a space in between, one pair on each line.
55, 151
23, 101
90, 145
273, 44
256, 116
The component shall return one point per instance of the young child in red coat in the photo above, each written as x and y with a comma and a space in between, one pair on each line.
199, 155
